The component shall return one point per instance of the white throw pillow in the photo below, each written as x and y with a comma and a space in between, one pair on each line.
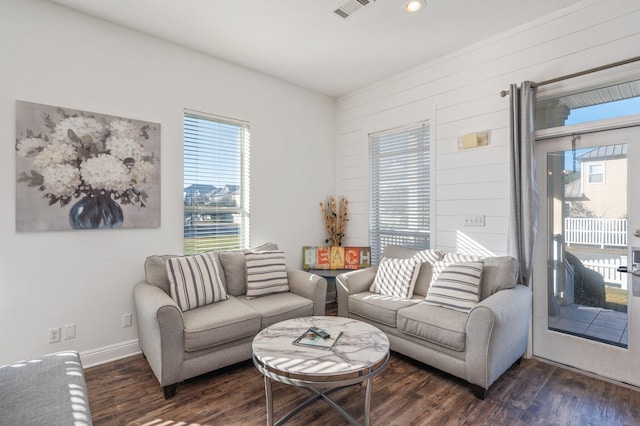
457, 287
428, 255
195, 280
266, 273
396, 277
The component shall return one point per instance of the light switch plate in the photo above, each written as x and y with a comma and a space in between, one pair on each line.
474, 220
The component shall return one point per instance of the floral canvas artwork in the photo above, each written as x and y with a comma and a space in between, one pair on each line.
84, 170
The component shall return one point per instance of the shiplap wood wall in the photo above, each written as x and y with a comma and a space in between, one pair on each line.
459, 94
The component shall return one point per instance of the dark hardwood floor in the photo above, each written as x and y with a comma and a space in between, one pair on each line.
125, 392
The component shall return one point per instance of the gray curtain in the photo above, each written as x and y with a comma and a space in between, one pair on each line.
523, 221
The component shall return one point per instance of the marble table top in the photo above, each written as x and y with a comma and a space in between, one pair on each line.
360, 349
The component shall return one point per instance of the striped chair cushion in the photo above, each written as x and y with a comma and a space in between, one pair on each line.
266, 273
195, 280
457, 287
396, 277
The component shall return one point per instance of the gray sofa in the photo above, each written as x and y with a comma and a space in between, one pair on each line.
478, 346
48, 390
179, 345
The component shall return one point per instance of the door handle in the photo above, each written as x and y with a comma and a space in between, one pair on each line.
623, 269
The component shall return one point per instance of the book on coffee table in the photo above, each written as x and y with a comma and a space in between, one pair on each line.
309, 338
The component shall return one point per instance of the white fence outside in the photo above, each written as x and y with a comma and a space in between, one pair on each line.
608, 268
595, 231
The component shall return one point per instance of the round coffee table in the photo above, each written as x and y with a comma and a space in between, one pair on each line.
360, 353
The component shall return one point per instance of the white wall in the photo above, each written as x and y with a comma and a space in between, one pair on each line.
459, 94
56, 56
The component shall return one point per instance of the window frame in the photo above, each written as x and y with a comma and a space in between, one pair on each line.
420, 238
201, 132
590, 173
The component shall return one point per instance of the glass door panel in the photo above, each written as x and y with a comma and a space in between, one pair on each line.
583, 307
587, 225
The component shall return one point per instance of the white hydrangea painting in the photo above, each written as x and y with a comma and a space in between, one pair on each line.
84, 170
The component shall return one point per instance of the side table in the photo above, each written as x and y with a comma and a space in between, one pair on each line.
330, 275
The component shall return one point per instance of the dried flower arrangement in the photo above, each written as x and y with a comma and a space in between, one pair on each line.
335, 216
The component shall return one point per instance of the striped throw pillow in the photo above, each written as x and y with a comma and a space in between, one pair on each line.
396, 277
449, 259
457, 287
266, 273
195, 280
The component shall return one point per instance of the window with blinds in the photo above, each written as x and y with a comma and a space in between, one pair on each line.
399, 188
216, 183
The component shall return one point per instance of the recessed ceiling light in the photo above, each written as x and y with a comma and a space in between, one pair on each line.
414, 6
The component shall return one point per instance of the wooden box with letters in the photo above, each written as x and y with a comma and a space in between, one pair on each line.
335, 257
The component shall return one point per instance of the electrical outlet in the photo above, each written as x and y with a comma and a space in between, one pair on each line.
126, 320
54, 334
69, 331
474, 220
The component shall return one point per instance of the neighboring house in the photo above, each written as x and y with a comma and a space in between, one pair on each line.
601, 190
203, 218
196, 194
209, 195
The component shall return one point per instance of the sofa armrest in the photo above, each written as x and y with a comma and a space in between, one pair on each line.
351, 283
497, 334
310, 286
160, 332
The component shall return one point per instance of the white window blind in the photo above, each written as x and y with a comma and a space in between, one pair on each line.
216, 183
399, 188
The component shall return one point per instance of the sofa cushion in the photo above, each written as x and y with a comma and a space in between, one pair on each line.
396, 277
155, 271
457, 287
235, 269
378, 307
266, 247
219, 323
428, 257
266, 273
499, 273
195, 280
442, 326
279, 307
423, 282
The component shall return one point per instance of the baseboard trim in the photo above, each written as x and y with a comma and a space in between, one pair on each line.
109, 353
588, 374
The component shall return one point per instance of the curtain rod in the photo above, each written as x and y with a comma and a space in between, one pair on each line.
504, 93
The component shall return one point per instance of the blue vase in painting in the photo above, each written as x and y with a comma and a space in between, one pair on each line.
96, 210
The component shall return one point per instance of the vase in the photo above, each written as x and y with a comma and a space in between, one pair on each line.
96, 210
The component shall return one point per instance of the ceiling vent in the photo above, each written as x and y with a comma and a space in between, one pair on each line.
350, 7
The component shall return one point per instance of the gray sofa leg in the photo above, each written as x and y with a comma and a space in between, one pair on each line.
170, 391
479, 392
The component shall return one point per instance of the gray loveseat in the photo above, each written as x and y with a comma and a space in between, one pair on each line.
179, 345
478, 346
